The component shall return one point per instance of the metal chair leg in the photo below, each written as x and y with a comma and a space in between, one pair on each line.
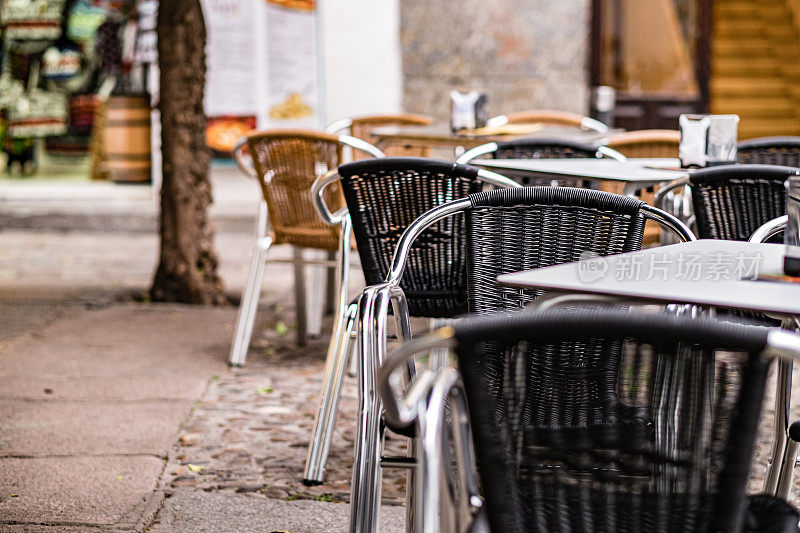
300, 295
352, 369
780, 433
249, 304
335, 365
366, 486
330, 286
316, 294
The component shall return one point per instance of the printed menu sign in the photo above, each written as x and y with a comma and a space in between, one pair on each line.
293, 94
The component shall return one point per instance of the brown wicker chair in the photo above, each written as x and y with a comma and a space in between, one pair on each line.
646, 143
286, 164
361, 128
549, 116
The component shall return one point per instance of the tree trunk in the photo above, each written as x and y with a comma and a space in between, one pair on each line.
187, 270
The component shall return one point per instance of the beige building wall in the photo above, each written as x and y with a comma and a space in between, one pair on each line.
523, 53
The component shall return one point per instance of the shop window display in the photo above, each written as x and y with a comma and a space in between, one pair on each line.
63, 62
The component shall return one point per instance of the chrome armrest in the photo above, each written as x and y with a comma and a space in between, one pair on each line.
769, 229
414, 230
339, 125
498, 180
238, 150
662, 192
399, 401
671, 222
605, 151
588, 123
499, 120
472, 153
360, 144
317, 189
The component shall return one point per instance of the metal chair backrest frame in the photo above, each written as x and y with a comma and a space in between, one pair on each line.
770, 151
383, 198
732, 201
539, 202
539, 148
573, 416
286, 163
549, 116
361, 127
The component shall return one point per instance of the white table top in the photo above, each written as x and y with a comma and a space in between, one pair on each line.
641, 171
706, 272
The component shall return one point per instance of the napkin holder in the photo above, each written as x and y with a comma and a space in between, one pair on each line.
708, 140
467, 110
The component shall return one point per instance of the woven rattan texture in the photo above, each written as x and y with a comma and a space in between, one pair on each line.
771, 151
731, 202
611, 431
287, 166
544, 226
384, 197
544, 149
646, 143
362, 128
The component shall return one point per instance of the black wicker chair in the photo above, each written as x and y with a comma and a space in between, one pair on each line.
535, 148
532, 227
770, 151
381, 201
599, 421
732, 201
506, 230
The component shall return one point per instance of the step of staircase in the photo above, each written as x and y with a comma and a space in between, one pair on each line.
776, 108
749, 48
751, 86
747, 9
739, 67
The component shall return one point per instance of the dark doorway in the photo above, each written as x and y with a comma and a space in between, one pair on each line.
656, 54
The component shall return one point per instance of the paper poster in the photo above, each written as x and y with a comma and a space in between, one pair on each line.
231, 81
292, 67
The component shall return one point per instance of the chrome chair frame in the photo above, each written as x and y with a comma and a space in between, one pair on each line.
250, 296
488, 148
424, 398
372, 319
783, 455
587, 123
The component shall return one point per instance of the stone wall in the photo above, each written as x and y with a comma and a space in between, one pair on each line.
524, 54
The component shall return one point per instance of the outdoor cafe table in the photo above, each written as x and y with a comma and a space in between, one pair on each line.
621, 177
441, 136
710, 273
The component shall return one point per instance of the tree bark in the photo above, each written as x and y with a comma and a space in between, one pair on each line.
187, 269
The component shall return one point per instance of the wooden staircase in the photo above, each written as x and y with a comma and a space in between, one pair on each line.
756, 66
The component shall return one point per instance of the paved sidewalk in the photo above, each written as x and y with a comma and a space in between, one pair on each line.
98, 396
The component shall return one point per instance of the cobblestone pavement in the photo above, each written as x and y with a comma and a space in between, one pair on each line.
250, 431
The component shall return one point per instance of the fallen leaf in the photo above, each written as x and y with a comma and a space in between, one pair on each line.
264, 390
119, 478
189, 439
195, 468
280, 328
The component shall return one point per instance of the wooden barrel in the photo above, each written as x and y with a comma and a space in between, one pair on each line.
126, 139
